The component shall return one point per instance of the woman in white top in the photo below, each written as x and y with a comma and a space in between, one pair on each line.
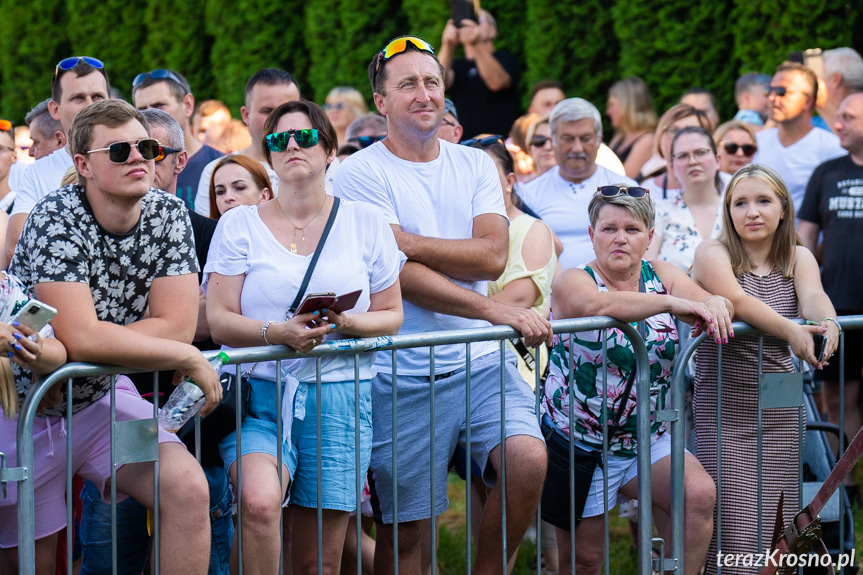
693, 213
257, 260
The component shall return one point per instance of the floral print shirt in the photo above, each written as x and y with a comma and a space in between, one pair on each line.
63, 242
676, 227
662, 345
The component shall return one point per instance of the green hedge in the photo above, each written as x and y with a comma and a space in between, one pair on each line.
217, 44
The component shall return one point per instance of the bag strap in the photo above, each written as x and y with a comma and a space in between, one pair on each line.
624, 399
317, 254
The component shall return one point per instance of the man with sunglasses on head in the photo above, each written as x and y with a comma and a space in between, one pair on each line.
445, 205
103, 252
78, 81
266, 90
561, 195
169, 91
366, 130
793, 148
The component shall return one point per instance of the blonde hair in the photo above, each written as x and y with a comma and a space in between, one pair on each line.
531, 129
785, 239
70, 177
8, 390
673, 114
638, 113
732, 125
352, 98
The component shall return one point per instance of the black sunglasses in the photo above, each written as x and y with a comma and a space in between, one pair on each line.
278, 142
614, 191
731, 148
539, 141
164, 151
366, 141
159, 74
487, 141
119, 152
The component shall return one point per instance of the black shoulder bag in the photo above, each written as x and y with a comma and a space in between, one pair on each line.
223, 420
555, 493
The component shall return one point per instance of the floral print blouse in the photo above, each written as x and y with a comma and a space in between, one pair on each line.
676, 227
588, 397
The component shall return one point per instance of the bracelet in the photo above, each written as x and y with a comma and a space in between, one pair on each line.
835, 322
264, 332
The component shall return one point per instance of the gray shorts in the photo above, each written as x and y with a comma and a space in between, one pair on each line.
414, 432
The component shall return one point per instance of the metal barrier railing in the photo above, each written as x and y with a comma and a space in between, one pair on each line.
678, 431
141, 436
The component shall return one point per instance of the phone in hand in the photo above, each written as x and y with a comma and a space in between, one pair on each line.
34, 315
464, 10
820, 340
338, 303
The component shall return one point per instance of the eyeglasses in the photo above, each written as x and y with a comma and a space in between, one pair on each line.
119, 152
731, 148
448, 123
539, 141
164, 152
278, 142
336, 106
159, 74
5, 125
366, 141
614, 191
698, 154
67, 64
6, 149
487, 141
395, 47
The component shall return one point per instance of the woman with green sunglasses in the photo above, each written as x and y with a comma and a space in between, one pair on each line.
257, 261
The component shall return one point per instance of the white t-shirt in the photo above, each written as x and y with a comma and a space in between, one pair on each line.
796, 162
41, 178
202, 198
437, 199
360, 253
563, 206
606, 158
16, 172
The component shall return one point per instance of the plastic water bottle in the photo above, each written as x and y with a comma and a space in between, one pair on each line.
186, 400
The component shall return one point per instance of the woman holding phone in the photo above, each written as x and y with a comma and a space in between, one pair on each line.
257, 262
760, 265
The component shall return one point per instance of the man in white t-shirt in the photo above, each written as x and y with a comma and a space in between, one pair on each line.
445, 205
794, 148
561, 195
266, 90
77, 83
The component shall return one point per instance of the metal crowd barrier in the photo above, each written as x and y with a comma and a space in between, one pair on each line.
792, 389
136, 441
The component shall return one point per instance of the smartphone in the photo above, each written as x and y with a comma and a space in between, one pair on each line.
464, 10
35, 315
339, 304
819, 346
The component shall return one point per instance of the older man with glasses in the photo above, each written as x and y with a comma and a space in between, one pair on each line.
793, 148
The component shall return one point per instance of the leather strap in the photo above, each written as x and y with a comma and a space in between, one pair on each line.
805, 524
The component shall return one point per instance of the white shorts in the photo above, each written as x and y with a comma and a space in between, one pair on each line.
620, 470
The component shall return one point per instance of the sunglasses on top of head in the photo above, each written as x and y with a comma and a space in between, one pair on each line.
119, 152
487, 141
365, 141
164, 152
5, 125
398, 46
631, 191
159, 74
67, 64
278, 142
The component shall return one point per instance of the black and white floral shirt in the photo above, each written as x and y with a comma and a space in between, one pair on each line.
63, 242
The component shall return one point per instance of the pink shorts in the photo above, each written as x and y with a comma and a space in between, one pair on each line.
91, 458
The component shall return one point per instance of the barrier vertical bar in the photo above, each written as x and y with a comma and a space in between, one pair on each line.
69, 494
642, 408
395, 380
358, 461
571, 409
536, 391
432, 380
279, 439
467, 459
759, 487
156, 540
502, 452
841, 441
239, 486
604, 411
719, 455
113, 476
319, 463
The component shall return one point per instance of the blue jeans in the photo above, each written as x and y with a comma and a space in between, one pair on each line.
133, 542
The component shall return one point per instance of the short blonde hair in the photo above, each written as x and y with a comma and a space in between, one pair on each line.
635, 103
726, 127
352, 98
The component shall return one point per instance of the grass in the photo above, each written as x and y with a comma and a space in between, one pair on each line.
452, 551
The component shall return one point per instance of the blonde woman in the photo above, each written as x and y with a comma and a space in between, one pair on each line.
343, 105
633, 118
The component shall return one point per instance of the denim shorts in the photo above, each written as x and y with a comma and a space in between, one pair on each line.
259, 427
338, 446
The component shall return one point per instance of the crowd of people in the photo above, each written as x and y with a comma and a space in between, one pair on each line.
162, 227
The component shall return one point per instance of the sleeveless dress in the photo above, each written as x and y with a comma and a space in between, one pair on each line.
542, 277
780, 436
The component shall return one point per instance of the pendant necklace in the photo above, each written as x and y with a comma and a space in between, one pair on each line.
293, 246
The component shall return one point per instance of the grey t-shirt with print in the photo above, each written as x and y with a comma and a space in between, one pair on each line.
63, 242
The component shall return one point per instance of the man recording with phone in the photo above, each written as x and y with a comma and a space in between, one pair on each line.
484, 84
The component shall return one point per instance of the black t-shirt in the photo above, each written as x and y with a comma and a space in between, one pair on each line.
834, 201
479, 109
187, 181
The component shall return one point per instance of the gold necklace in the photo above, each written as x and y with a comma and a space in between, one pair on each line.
293, 246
